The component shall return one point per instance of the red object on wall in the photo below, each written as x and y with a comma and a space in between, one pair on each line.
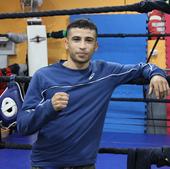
156, 23
167, 41
4, 72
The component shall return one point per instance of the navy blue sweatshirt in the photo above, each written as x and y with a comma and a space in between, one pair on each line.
71, 137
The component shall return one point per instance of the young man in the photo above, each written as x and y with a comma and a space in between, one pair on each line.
66, 102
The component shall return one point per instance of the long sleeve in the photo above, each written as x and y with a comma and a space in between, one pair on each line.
35, 112
149, 70
126, 73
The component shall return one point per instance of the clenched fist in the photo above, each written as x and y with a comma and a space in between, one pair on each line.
60, 100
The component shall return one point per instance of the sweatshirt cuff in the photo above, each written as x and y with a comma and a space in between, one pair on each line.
50, 111
158, 74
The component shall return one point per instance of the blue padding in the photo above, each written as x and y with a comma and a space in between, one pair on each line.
124, 140
125, 51
120, 114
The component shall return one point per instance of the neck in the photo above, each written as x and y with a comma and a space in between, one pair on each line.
77, 66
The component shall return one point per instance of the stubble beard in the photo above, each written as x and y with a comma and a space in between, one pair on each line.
80, 61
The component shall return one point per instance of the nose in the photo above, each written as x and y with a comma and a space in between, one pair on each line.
82, 45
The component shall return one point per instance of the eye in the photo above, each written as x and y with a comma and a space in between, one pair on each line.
76, 39
90, 40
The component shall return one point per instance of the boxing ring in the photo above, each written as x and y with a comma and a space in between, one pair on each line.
20, 158
115, 148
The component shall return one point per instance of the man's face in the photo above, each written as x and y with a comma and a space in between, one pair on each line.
81, 44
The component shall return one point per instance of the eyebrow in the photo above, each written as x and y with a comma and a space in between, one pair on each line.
86, 37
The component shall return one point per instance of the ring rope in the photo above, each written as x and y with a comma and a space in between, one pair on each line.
26, 79
8, 145
18, 38
23, 79
141, 7
21, 37
154, 154
61, 34
146, 100
124, 35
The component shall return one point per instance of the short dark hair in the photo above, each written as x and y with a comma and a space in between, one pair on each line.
82, 23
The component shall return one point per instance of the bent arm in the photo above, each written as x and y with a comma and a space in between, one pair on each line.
35, 112
142, 70
157, 77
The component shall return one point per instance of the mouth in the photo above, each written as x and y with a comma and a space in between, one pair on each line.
81, 53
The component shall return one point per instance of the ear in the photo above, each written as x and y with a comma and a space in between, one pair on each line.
66, 43
96, 46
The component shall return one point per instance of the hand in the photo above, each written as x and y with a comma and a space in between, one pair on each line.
159, 86
60, 100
